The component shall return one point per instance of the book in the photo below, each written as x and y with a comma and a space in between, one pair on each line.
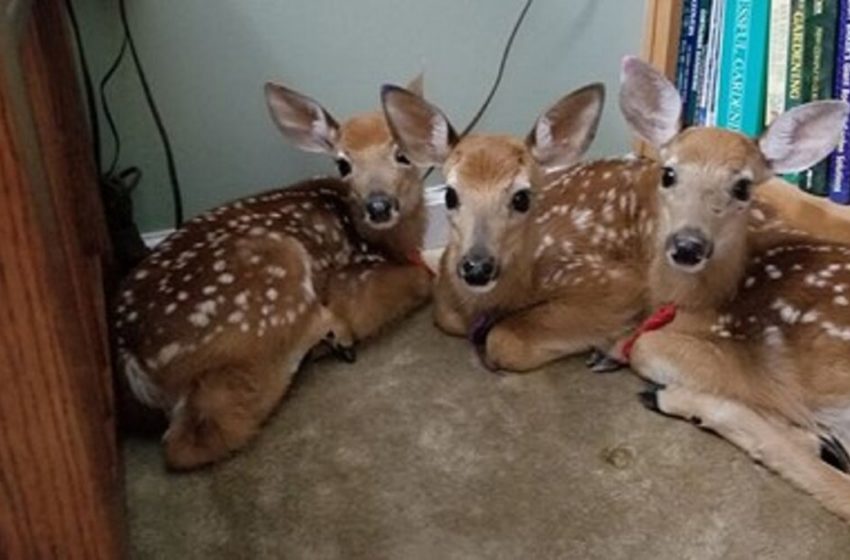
819, 62
794, 75
707, 114
839, 172
695, 100
684, 60
777, 59
743, 64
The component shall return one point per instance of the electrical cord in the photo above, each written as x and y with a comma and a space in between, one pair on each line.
503, 62
87, 83
163, 134
107, 112
501, 72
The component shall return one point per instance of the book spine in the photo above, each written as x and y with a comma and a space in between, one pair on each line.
742, 67
820, 60
777, 59
682, 56
839, 172
690, 61
697, 82
713, 74
796, 52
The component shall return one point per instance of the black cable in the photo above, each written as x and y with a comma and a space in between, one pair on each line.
163, 134
87, 83
107, 112
502, 64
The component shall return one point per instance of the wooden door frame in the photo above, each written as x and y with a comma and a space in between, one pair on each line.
60, 478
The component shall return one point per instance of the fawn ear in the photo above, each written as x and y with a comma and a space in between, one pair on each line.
649, 102
565, 131
302, 120
801, 137
421, 130
417, 85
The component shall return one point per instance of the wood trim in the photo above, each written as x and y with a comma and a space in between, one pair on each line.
60, 481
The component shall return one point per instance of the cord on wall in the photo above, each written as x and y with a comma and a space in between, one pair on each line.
503, 62
163, 134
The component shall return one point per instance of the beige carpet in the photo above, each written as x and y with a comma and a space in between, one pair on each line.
416, 452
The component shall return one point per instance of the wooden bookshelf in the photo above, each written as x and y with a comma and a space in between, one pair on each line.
660, 48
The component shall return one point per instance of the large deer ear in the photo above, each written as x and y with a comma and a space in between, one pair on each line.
421, 130
302, 120
649, 102
563, 133
417, 85
801, 137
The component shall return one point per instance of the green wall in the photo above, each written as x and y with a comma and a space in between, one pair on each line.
207, 60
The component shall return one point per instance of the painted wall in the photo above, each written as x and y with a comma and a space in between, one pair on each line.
207, 60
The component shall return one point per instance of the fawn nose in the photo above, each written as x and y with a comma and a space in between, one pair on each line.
689, 248
380, 207
478, 269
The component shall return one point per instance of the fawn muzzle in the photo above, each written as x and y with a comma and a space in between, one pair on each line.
478, 268
689, 249
381, 209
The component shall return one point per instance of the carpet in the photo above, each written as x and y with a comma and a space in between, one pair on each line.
417, 452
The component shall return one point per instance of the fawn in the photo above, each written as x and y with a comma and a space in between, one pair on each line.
759, 349
546, 257
213, 325
512, 272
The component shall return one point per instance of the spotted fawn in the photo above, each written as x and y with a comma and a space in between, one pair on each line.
213, 325
759, 350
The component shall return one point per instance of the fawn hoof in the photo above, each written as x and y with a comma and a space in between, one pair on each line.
834, 454
345, 353
649, 398
600, 362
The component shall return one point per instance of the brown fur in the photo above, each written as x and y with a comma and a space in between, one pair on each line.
765, 325
213, 325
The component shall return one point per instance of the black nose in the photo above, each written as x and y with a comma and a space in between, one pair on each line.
380, 206
477, 269
689, 247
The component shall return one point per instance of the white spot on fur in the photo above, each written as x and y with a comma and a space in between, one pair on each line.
226, 278
199, 319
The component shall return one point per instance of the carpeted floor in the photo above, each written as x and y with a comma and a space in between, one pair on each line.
417, 452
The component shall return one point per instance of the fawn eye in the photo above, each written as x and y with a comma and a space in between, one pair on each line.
668, 177
452, 200
521, 200
344, 167
400, 158
742, 190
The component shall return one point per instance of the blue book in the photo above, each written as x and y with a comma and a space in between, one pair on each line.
687, 54
839, 172
694, 100
743, 66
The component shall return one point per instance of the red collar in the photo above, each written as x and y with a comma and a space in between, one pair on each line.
662, 317
415, 258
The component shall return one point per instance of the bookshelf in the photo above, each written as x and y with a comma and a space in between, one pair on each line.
660, 48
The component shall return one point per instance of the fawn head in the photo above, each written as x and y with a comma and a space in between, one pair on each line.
381, 176
708, 174
491, 179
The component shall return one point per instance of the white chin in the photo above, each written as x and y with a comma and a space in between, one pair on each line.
480, 289
389, 224
699, 267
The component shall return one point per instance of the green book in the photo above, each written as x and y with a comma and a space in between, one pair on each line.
821, 30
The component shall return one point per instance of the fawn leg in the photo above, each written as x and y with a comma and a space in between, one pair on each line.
367, 297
